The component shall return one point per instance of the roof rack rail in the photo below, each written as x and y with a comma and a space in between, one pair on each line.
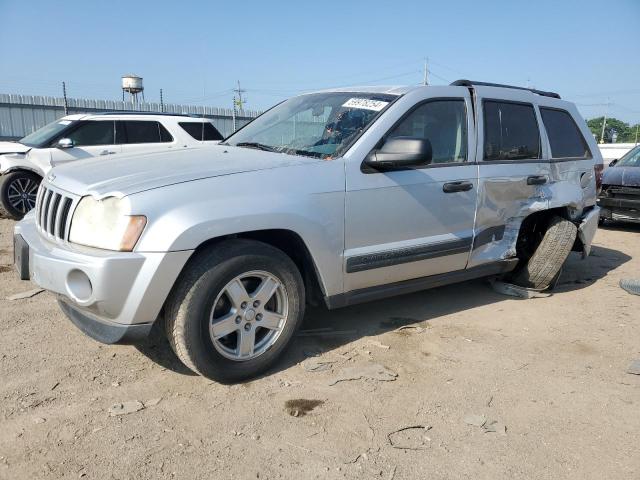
472, 83
134, 112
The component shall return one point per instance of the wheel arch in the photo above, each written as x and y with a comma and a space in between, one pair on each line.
542, 218
292, 244
19, 168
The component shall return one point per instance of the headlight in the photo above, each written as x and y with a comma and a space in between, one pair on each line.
106, 224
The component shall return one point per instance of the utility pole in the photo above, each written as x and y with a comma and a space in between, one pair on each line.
161, 102
239, 102
426, 71
64, 96
604, 122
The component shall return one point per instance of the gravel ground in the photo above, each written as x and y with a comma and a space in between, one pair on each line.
499, 388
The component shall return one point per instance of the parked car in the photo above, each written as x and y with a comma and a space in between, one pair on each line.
614, 151
78, 137
337, 197
619, 199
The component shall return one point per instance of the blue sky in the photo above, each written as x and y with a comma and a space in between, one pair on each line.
197, 50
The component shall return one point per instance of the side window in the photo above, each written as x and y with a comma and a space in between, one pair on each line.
93, 132
201, 130
141, 131
565, 138
443, 123
510, 131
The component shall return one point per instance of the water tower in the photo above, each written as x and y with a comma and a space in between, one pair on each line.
132, 84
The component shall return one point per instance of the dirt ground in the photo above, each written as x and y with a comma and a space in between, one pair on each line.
499, 388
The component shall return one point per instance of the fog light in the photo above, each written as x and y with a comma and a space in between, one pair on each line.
79, 285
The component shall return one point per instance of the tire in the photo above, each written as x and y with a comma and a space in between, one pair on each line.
203, 296
541, 268
18, 183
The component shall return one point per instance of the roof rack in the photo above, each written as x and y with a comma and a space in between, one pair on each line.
472, 83
134, 112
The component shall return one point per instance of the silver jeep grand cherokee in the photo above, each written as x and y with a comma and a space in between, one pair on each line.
339, 196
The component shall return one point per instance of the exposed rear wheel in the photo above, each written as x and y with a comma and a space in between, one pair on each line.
18, 191
234, 310
543, 253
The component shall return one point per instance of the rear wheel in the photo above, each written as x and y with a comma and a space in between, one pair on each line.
543, 252
234, 310
18, 191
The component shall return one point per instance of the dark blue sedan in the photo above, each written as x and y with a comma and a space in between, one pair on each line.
620, 196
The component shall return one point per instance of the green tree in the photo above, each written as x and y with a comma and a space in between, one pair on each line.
626, 133
633, 134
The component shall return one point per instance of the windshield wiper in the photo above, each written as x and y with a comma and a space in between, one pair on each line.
259, 146
304, 153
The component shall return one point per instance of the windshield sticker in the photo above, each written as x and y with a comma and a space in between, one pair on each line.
365, 103
64, 122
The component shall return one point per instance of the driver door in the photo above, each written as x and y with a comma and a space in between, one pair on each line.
93, 138
417, 221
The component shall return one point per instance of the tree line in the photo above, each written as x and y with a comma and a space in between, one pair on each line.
614, 129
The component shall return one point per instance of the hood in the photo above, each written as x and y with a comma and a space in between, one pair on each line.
13, 147
622, 176
123, 175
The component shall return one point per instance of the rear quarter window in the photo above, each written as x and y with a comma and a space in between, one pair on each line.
201, 131
565, 138
142, 131
510, 131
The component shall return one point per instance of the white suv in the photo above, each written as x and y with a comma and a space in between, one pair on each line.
23, 164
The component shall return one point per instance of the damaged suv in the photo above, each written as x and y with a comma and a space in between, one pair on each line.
335, 197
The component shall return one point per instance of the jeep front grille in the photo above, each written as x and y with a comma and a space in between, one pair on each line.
53, 212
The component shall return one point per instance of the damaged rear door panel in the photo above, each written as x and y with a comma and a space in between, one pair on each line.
514, 172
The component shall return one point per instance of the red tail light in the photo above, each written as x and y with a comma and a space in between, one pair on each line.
599, 169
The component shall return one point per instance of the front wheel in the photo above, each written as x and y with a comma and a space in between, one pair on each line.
234, 310
18, 191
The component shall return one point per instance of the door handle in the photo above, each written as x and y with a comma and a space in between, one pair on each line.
536, 180
107, 152
457, 187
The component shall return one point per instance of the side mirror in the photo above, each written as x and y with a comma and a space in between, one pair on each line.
613, 162
65, 143
399, 152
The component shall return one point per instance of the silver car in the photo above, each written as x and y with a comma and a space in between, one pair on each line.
335, 197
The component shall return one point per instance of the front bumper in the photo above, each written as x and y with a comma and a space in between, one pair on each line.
622, 209
114, 297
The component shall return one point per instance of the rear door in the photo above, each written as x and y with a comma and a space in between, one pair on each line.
513, 168
415, 222
143, 136
91, 138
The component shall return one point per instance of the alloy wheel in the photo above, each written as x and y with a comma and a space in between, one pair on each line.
22, 193
248, 315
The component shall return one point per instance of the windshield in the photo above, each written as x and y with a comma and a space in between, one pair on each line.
320, 125
630, 159
44, 135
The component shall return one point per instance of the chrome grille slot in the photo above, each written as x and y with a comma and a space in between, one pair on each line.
61, 231
52, 212
45, 208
